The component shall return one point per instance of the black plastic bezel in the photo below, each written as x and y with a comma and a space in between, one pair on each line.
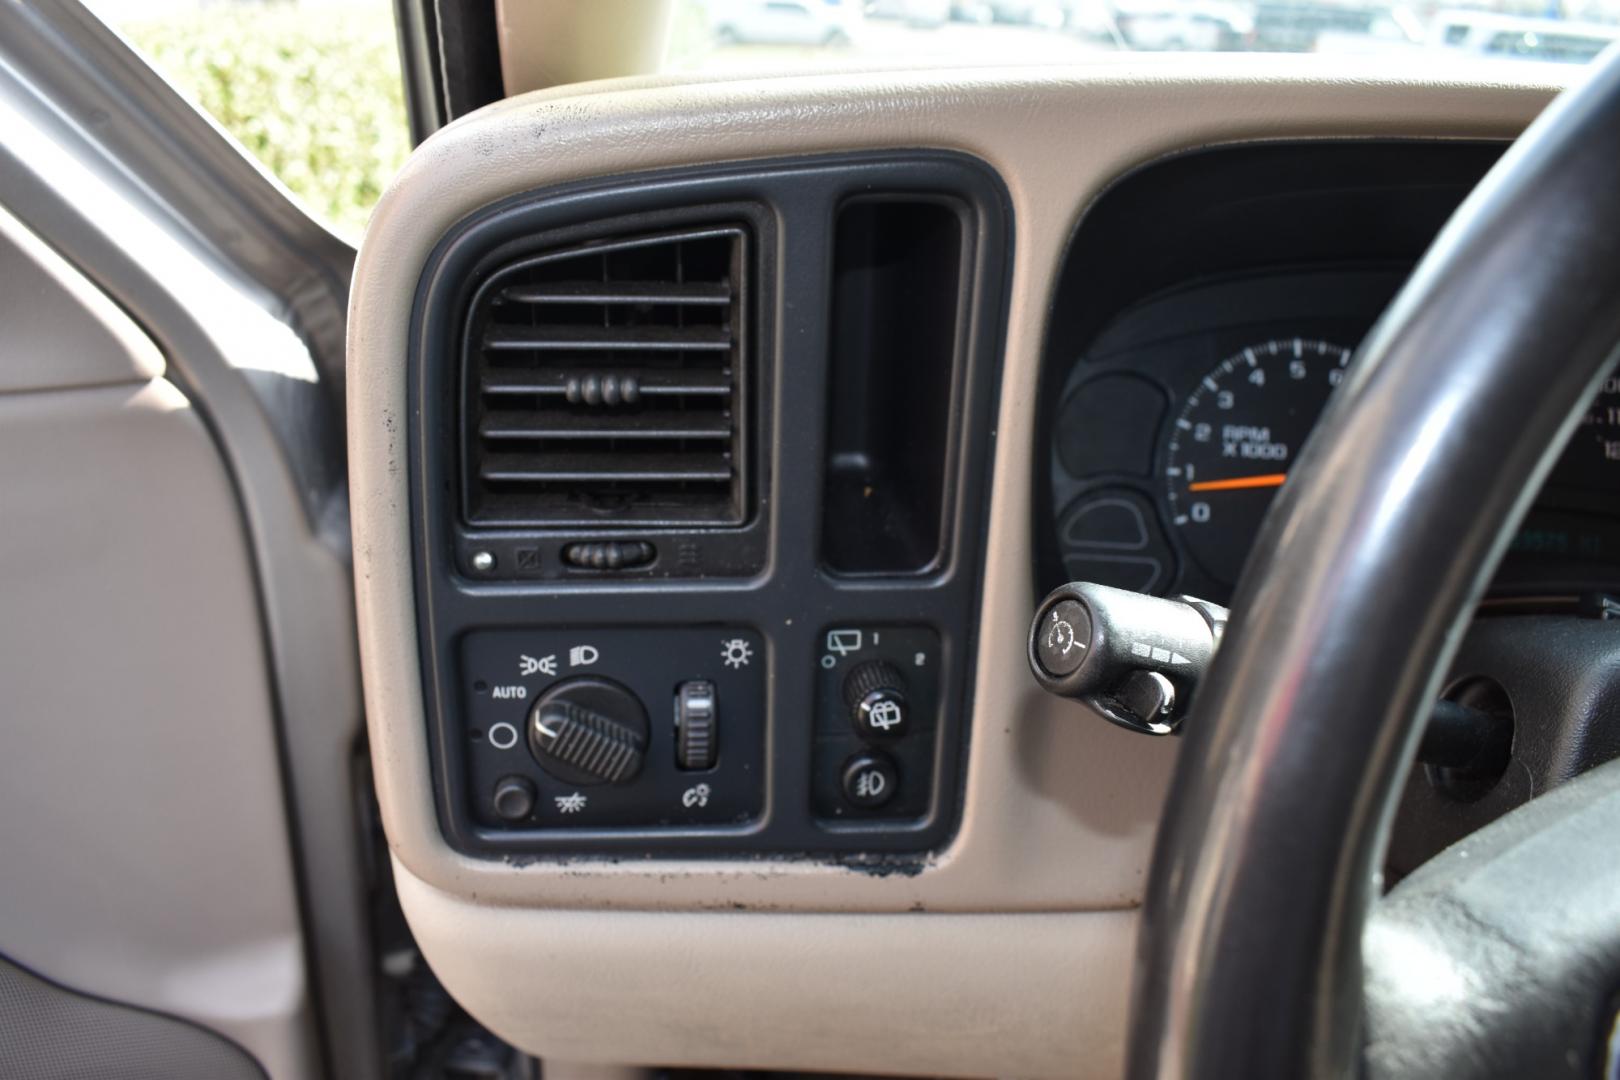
788, 598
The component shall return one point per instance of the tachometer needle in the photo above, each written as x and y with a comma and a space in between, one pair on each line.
1239, 483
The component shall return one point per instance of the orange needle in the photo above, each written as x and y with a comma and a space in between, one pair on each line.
1239, 483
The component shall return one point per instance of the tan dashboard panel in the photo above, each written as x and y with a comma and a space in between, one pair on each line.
951, 995
1060, 808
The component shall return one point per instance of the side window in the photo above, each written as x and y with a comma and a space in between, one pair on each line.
311, 89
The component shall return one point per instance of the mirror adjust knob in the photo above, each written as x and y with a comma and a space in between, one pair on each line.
876, 695
589, 731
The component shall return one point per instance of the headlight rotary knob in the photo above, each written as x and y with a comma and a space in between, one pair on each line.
589, 731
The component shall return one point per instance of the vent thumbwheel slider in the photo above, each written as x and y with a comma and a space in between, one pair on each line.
605, 384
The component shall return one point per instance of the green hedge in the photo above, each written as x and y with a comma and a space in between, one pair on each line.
315, 94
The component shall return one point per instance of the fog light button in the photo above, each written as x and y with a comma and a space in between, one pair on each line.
870, 780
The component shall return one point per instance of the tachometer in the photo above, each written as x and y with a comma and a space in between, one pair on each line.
1234, 440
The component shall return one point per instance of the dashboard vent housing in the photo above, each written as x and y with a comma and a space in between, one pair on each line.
605, 384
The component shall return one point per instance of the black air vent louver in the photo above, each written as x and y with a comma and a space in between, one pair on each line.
605, 385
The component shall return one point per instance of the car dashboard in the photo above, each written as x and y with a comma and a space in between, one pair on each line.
1125, 239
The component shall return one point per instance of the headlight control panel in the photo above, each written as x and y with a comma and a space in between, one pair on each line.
586, 738
615, 728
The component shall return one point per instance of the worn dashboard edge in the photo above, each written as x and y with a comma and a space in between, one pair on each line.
1059, 812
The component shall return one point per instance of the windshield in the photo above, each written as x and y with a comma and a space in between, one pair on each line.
755, 33
313, 88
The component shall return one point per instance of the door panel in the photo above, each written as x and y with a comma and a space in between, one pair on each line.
143, 829
52, 1032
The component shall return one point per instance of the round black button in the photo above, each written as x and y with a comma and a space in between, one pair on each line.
513, 798
870, 780
1063, 638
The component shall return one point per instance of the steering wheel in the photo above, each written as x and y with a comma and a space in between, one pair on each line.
1251, 961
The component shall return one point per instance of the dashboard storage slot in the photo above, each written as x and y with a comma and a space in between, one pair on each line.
896, 339
604, 384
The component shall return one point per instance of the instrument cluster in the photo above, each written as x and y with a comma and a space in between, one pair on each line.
1180, 422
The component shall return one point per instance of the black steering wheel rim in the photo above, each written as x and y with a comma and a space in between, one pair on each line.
1382, 543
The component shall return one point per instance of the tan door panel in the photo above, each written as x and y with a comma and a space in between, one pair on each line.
143, 833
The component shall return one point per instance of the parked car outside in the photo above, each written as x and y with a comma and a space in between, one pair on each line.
1296, 26
782, 22
1512, 37
922, 14
1397, 30
1049, 14
979, 12
1210, 26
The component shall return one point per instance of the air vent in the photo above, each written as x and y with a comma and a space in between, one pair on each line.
605, 385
